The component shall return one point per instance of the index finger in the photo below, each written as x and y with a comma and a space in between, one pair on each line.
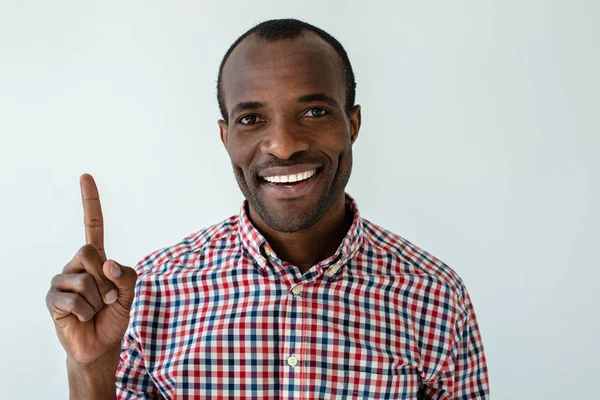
92, 214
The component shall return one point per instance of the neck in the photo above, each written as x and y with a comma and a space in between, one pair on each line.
309, 246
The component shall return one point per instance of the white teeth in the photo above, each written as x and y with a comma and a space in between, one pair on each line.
290, 178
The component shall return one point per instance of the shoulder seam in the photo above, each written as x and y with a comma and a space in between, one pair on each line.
453, 281
194, 242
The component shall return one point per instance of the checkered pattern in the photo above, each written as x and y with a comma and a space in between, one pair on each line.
219, 315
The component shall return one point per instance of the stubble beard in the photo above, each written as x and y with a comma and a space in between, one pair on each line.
295, 219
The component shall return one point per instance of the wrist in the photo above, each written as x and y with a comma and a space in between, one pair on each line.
110, 359
93, 380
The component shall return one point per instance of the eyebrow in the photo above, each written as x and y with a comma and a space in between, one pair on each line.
309, 98
319, 97
247, 105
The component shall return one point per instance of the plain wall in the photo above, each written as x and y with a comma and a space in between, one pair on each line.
479, 144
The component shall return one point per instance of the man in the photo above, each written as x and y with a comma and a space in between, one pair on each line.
298, 296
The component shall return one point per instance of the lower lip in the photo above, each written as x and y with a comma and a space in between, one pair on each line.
283, 191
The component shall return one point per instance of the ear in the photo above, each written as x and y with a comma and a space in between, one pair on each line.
355, 119
224, 128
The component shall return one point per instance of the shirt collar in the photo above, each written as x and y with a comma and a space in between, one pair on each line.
263, 254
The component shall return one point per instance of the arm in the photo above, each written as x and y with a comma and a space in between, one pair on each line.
133, 381
470, 373
132, 378
90, 304
94, 380
464, 374
113, 378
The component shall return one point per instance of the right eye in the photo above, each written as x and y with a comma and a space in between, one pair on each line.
249, 119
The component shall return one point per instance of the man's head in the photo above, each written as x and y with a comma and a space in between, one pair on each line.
286, 93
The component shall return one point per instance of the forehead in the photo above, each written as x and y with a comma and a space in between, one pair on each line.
263, 71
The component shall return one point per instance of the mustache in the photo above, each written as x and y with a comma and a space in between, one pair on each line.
294, 160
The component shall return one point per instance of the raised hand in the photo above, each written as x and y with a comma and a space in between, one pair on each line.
90, 300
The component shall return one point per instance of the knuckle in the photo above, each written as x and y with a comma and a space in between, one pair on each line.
87, 283
49, 298
56, 280
67, 267
94, 222
86, 251
70, 301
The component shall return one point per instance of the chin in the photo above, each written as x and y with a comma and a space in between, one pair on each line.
288, 225
290, 215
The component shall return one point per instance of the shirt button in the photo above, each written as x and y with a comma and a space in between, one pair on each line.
333, 269
297, 289
292, 361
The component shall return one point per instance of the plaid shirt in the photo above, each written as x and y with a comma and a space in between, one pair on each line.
219, 315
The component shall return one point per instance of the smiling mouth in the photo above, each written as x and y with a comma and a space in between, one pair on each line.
297, 187
291, 180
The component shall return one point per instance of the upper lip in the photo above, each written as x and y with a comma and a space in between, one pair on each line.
291, 170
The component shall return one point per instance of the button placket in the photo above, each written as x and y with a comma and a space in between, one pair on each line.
292, 373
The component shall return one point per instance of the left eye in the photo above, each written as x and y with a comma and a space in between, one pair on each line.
249, 119
316, 112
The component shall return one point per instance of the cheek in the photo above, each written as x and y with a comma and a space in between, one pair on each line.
240, 154
336, 146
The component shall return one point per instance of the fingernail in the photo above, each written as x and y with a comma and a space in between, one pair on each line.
111, 296
115, 270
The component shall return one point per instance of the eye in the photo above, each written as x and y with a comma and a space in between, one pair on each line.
316, 112
249, 119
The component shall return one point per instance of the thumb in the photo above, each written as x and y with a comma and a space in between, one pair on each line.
124, 279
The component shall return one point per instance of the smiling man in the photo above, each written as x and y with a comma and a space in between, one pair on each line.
298, 296
289, 122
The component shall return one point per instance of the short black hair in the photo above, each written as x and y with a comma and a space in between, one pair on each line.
277, 29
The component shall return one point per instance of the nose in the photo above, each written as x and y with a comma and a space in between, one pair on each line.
283, 140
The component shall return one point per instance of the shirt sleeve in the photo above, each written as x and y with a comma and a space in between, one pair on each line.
464, 375
132, 379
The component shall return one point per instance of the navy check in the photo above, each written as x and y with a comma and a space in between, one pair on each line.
219, 315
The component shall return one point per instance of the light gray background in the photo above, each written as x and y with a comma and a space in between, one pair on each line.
479, 142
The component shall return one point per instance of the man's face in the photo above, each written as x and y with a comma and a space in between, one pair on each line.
287, 122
